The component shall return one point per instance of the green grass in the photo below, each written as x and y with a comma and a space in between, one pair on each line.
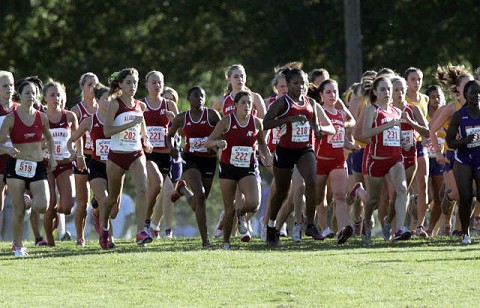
179, 272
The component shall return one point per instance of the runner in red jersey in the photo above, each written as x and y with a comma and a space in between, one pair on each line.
382, 124
237, 135
331, 161
83, 110
158, 115
24, 168
413, 124
237, 79
125, 125
7, 106
295, 148
61, 123
97, 165
197, 124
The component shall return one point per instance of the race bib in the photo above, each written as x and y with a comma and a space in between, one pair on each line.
156, 135
431, 150
241, 156
407, 136
102, 147
198, 145
128, 137
25, 168
337, 140
275, 135
471, 131
391, 137
300, 131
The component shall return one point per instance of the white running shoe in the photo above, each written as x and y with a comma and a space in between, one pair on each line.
467, 240
242, 224
297, 232
283, 230
327, 233
21, 252
226, 246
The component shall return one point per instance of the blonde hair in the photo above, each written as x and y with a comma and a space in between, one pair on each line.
6, 74
173, 92
61, 88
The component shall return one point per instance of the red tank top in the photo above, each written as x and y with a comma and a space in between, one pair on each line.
101, 144
4, 112
87, 143
297, 134
386, 143
196, 133
409, 134
229, 105
61, 132
157, 124
332, 145
63, 123
22, 133
241, 143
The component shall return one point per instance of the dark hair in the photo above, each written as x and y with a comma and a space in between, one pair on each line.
22, 85
372, 96
241, 94
33, 79
411, 70
313, 92
116, 78
317, 73
367, 80
195, 88
291, 72
386, 71
100, 90
432, 88
324, 83
467, 87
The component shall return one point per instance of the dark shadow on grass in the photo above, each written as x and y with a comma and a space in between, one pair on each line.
353, 246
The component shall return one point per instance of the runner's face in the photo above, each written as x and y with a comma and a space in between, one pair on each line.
281, 87
244, 105
6, 88
53, 97
28, 95
88, 86
329, 94
399, 91
414, 81
473, 95
384, 92
155, 84
237, 79
435, 98
197, 98
129, 85
297, 85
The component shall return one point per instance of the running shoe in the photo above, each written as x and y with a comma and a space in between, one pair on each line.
297, 232
242, 224
476, 223
40, 242
104, 240
466, 240
21, 252
219, 226
154, 233
421, 232
206, 244
312, 231
81, 242
14, 246
176, 194
168, 233
367, 235
226, 246
457, 233
344, 234
143, 237
28, 201
272, 237
245, 237
402, 234
353, 194
327, 233
66, 237
387, 229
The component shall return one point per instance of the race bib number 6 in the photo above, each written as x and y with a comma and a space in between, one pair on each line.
241, 156
25, 168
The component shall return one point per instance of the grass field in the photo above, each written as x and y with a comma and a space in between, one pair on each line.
438, 273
